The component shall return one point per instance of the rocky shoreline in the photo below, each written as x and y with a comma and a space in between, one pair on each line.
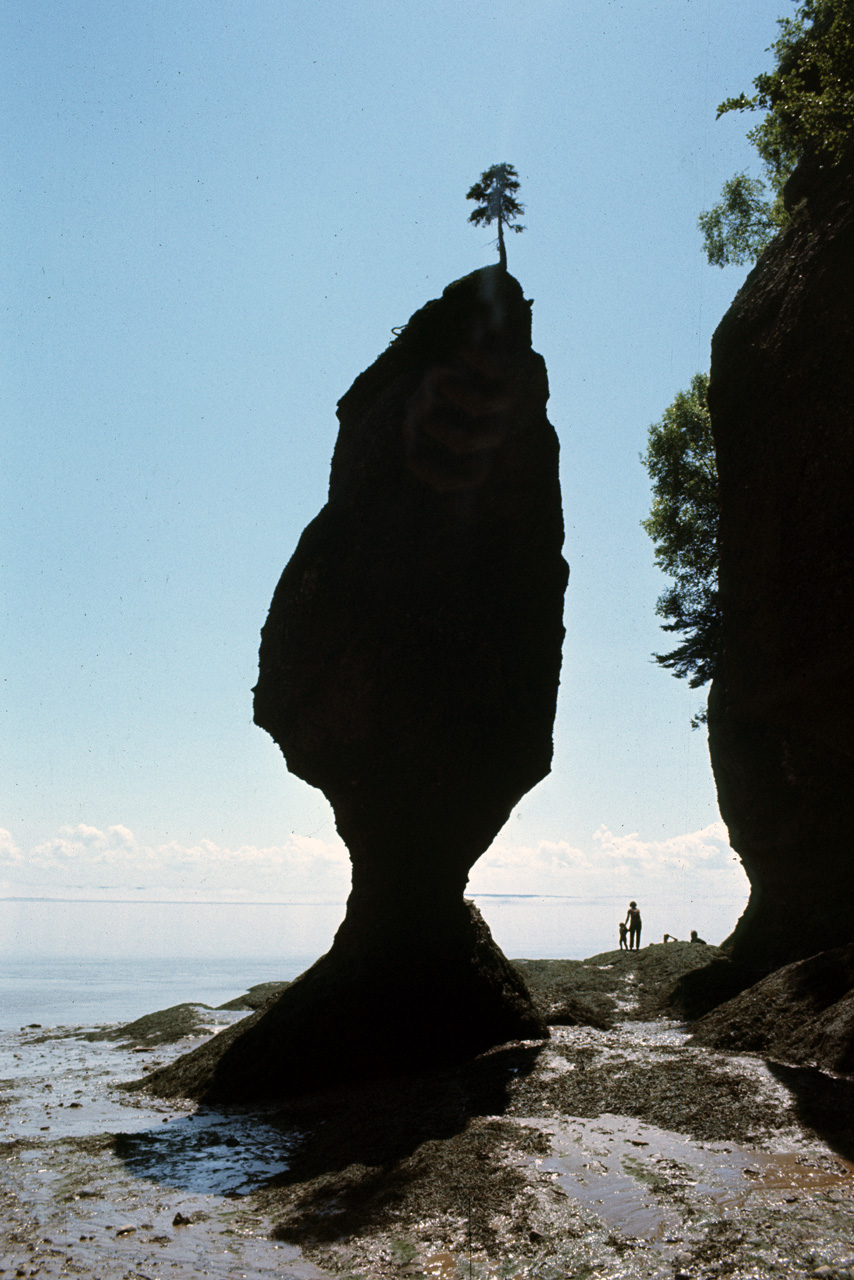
620, 1147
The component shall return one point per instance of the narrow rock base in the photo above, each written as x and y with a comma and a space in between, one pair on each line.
423, 991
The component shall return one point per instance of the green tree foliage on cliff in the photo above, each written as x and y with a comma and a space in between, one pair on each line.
683, 525
808, 100
496, 196
742, 223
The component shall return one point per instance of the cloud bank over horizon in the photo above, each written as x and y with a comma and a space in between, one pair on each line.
87, 862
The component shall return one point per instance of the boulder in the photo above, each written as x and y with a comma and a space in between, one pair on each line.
802, 1014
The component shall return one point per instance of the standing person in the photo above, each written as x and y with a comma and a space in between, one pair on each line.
623, 931
633, 920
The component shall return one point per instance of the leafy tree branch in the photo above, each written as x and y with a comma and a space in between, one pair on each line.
683, 525
808, 100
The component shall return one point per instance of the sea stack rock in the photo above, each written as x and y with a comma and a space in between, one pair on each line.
781, 399
409, 668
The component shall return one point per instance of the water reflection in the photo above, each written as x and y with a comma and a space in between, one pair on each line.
208, 1153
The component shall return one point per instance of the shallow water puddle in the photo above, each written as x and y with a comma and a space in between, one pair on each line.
790, 1172
440, 1266
112, 1184
131, 1238
457, 1266
639, 1178
64, 1086
212, 1153
89, 1213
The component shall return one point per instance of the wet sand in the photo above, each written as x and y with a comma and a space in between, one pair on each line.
621, 1152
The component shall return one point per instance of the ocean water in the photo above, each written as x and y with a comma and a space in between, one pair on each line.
73, 962
67, 992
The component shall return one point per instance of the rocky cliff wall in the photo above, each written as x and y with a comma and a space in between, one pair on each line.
781, 398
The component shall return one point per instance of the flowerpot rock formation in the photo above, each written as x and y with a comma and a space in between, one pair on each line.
409, 668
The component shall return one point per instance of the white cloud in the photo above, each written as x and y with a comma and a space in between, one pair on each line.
88, 862
84, 861
84, 844
9, 851
707, 849
700, 862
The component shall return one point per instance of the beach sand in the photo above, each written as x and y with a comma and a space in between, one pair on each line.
614, 1151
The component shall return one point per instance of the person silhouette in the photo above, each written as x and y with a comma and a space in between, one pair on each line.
624, 946
694, 938
633, 920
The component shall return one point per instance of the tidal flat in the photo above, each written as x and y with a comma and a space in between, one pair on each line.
614, 1149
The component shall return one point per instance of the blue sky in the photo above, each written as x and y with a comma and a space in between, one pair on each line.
216, 214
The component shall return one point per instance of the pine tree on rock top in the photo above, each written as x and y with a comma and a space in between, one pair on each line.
496, 196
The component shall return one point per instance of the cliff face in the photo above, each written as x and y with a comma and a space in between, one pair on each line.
781, 398
409, 668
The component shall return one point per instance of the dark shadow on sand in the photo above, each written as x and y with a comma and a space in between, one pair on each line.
361, 1151
354, 1141
824, 1103
346, 1154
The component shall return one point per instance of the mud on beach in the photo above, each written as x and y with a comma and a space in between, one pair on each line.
615, 1149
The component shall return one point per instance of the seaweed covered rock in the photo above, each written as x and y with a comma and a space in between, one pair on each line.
781, 399
409, 668
803, 1013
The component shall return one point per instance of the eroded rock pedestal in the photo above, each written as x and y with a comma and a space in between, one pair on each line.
780, 716
409, 669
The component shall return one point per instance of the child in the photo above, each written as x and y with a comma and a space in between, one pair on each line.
624, 946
